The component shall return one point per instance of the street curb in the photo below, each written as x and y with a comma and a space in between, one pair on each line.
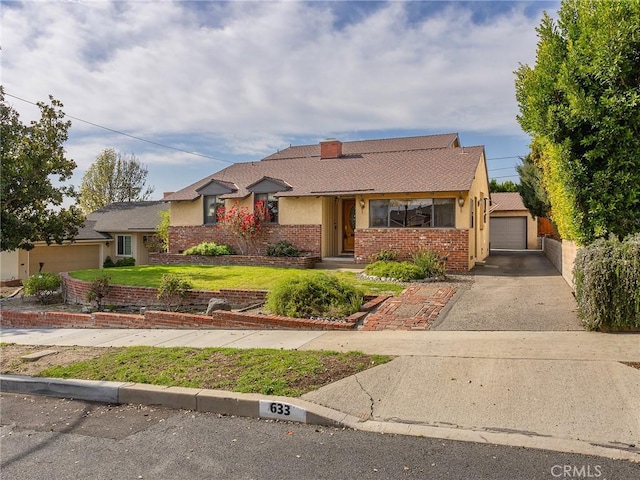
285, 409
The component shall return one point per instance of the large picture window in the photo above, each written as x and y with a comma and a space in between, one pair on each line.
271, 201
124, 248
412, 213
211, 206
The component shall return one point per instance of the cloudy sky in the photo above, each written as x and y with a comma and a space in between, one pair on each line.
236, 81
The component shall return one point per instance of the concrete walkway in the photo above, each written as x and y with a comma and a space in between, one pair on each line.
564, 391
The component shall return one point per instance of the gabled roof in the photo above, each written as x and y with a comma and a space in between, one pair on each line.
401, 165
424, 142
506, 201
122, 217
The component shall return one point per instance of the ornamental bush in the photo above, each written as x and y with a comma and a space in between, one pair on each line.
282, 249
403, 271
126, 262
173, 289
321, 296
44, 286
607, 283
99, 289
430, 263
210, 249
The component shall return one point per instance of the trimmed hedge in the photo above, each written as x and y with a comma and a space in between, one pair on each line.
607, 281
210, 249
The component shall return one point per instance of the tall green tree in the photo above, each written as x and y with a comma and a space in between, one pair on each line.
113, 178
581, 104
506, 186
35, 175
533, 194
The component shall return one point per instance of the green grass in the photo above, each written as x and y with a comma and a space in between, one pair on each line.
267, 371
214, 277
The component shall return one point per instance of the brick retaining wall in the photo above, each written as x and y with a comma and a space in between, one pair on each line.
76, 292
448, 242
157, 319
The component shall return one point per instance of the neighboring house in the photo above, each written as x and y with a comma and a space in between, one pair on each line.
352, 198
512, 226
117, 230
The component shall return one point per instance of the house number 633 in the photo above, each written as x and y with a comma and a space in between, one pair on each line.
280, 409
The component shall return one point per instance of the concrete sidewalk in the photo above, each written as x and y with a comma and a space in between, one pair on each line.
564, 391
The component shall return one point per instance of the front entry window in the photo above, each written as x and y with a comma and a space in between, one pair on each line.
271, 202
124, 248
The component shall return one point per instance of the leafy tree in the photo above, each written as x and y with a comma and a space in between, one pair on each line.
506, 186
581, 104
162, 230
533, 194
113, 178
35, 173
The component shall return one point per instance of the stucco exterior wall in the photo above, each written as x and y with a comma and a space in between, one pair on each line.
187, 213
562, 255
300, 211
477, 207
10, 265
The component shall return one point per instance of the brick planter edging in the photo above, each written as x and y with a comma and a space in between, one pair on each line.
240, 260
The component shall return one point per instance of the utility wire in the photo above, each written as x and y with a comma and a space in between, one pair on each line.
129, 135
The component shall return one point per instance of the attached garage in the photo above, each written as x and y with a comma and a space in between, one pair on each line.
509, 233
64, 258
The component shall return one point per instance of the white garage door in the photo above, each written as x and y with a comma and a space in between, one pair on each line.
509, 232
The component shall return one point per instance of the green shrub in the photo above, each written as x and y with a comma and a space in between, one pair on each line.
173, 289
403, 271
385, 256
282, 249
99, 289
430, 263
210, 249
607, 283
321, 296
126, 262
108, 263
44, 286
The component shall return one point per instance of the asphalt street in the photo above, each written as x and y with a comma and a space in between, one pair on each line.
43, 437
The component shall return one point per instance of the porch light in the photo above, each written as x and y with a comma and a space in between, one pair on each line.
362, 204
461, 202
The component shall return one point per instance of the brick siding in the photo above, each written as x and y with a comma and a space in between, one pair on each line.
448, 242
306, 238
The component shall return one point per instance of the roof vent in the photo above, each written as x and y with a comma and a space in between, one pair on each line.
330, 148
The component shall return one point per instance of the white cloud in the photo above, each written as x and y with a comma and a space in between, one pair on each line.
253, 74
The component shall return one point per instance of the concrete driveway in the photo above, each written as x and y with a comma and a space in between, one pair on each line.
515, 290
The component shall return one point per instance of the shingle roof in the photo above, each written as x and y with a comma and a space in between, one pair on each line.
123, 217
506, 201
414, 164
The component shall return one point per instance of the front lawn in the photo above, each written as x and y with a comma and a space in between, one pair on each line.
215, 277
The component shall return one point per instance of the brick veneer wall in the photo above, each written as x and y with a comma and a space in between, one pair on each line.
448, 242
306, 238
76, 292
283, 262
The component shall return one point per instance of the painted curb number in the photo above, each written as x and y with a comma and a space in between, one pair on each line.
282, 411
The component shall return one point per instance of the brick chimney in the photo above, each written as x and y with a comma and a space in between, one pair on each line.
331, 148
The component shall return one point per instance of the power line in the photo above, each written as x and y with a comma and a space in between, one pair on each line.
503, 176
129, 135
504, 158
502, 168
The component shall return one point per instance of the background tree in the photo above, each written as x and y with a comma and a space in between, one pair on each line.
581, 104
506, 186
34, 175
113, 178
533, 194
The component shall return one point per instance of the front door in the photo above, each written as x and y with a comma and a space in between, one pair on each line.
348, 224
